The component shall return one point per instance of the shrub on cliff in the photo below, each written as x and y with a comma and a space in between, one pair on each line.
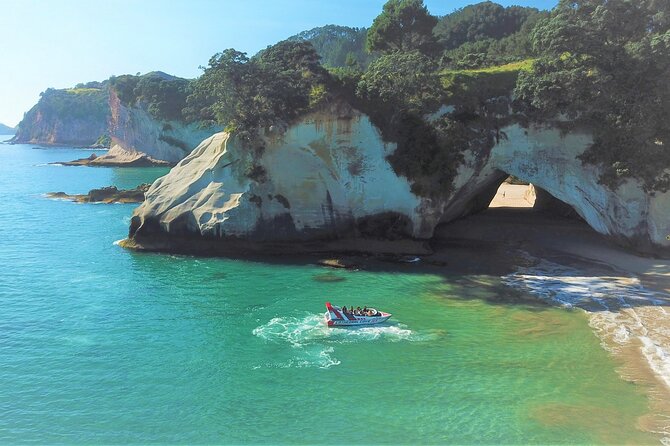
83, 103
606, 65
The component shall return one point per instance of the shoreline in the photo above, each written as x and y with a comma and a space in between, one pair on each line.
239, 248
625, 295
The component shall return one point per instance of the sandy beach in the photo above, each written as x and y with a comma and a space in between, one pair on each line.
566, 262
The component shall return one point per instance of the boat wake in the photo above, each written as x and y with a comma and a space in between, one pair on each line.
314, 342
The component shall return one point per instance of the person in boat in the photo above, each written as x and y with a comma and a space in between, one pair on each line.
358, 311
344, 309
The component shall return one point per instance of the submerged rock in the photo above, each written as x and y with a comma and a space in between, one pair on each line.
338, 263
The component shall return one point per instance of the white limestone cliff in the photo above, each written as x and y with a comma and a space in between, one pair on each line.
548, 159
139, 139
328, 177
323, 177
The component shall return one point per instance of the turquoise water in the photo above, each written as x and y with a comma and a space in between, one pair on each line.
101, 345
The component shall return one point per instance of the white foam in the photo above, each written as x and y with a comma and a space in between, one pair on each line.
569, 287
627, 311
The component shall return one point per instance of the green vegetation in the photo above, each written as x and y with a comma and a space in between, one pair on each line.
338, 46
486, 34
78, 103
403, 25
103, 141
475, 86
403, 84
162, 95
82, 91
584, 63
404, 89
605, 66
277, 85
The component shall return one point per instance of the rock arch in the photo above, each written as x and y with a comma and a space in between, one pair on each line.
548, 159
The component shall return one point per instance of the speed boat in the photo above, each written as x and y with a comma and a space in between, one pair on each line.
336, 317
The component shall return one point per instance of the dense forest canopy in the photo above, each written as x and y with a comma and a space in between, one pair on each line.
246, 94
338, 46
606, 65
163, 96
403, 25
602, 64
486, 20
74, 103
486, 34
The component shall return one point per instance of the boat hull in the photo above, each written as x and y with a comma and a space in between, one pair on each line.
356, 321
336, 317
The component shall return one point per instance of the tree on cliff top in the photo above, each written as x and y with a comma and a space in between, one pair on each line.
486, 34
606, 64
246, 94
486, 20
403, 25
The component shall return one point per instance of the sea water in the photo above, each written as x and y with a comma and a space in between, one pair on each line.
102, 345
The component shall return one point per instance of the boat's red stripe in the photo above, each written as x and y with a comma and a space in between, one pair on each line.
350, 316
333, 310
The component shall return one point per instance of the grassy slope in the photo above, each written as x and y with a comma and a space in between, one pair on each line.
468, 85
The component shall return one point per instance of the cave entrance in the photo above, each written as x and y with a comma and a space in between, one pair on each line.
514, 193
506, 208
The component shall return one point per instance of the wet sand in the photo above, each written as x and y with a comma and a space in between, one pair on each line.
626, 296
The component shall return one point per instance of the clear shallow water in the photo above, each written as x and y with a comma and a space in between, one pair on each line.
100, 345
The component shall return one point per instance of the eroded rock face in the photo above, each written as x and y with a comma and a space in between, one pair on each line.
548, 160
40, 127
327, 177
139, 139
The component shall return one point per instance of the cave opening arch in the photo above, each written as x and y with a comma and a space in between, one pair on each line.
506, 199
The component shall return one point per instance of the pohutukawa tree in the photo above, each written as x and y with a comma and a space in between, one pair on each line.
403, 25
606, 64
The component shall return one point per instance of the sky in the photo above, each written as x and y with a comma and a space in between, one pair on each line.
59, 43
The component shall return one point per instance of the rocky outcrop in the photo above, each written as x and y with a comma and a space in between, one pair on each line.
327, 178
324, 178
86, 116
547, 158
75, 117
110, 194
138, 139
